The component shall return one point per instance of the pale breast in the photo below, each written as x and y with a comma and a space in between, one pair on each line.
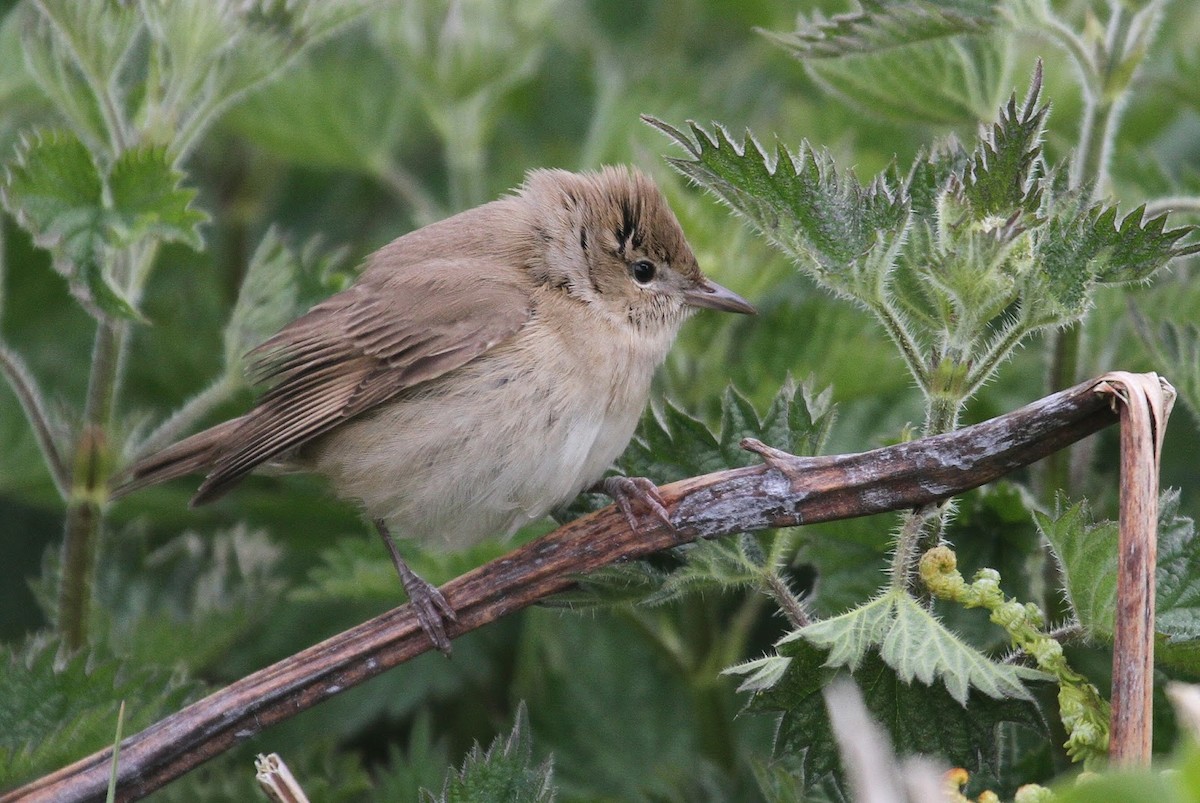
498, 442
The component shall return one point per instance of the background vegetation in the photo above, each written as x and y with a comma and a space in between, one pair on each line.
183, 177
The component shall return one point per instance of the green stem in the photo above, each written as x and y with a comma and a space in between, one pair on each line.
88, 492
890, 318
908, 547
463, 134
12, 367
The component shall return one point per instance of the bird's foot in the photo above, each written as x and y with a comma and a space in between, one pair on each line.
627, 490
433, 611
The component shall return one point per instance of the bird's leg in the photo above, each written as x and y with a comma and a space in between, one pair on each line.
432, 609
626, 490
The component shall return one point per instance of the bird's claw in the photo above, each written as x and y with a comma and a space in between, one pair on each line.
626, 490
433, 611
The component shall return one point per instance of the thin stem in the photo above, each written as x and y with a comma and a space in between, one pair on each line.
999, 350
100, 88
908, 546
898, 332
1181, 204
23, 385
186, 416
405, 186
786, 599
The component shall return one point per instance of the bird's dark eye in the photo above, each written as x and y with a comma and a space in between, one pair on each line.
643, 271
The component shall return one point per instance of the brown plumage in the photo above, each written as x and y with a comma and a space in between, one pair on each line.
481, 371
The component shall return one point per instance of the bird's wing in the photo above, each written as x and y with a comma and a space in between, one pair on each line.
362, 347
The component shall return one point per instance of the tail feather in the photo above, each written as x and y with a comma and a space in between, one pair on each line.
192, 455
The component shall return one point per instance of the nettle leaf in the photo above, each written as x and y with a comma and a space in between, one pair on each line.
1082, 244
80, 214
914, 644
844, 233
921, 720
504, 772
1087, 551
56, 710
671, 445
1000, 179
56, 193
879, 25
280, 282
942, 83
149, 201
1177, 600
1176, 347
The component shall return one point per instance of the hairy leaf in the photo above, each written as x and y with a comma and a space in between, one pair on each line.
921, 720
59, 709
1082, 244
504, 772
843, 232
878, 25
1087, 551
1000, 179
915, 645
56, 193
149, 201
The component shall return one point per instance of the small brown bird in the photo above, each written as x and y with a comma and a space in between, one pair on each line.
482, 370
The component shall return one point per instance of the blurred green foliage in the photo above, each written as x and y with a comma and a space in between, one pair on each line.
183, 177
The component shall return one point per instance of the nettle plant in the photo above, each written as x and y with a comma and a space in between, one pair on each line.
960, 258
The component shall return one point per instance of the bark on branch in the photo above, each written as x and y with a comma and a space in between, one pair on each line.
784, 491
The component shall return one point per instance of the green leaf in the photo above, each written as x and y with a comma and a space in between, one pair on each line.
914, 644
878, 25
1087, 551
149, 201
841, 231
279, 283
921, 720
947, 82
1083, 244
192, 598
1176, 350
57, 709
502, 773
56, 193
1000, 179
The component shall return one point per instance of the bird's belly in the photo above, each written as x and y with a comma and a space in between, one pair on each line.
475, 458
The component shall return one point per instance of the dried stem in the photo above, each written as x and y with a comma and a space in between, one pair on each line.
786, 491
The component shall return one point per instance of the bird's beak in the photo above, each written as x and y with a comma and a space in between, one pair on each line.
710, 295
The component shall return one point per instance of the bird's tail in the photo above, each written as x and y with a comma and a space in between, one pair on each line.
192, 455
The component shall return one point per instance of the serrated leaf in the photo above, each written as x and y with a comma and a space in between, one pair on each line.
266, 300
56, 711
1000, 179
914, 644
946, 82
1176, 347
824, 219
878, 25
1087, 551
149, 201
921, 720
504, 772
1177, 599
54, 191
1083, 244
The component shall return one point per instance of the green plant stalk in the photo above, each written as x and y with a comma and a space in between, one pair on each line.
88, 493
463, 131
